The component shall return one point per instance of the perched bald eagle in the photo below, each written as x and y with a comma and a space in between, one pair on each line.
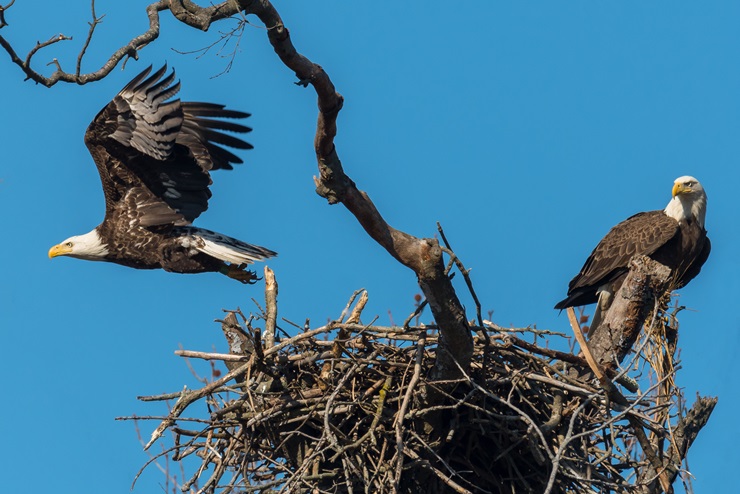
154, 157
675, 237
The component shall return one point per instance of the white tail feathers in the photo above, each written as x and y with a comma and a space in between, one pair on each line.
225, 248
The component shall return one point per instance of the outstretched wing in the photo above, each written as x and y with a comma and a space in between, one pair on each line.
641, 234
155, 155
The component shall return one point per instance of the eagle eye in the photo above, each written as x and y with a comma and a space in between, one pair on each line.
69, 244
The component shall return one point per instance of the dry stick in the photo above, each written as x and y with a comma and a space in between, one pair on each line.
226, 357
464, 272
573, 359
416, 312
154, 458
186, 398
351, 300
337, 346
584, 347
240, 343
354, 317
95, 21
420, 345
271, 293
547, 352
528, 329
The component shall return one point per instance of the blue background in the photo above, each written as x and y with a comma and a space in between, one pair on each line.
527, 129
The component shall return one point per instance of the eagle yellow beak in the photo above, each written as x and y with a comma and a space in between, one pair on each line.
678, 188
59, 250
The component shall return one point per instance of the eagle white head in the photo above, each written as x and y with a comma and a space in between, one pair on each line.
689, 200
88, 246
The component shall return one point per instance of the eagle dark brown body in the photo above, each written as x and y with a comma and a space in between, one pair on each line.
154, 158
675, 237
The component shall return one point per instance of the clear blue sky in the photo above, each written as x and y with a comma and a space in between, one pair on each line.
526, 129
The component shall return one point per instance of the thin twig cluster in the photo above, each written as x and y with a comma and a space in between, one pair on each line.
348, 407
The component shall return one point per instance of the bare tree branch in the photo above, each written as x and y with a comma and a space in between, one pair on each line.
2, 13
129, 50
271, 292
423, 256
95, 21
645, 283
683, 437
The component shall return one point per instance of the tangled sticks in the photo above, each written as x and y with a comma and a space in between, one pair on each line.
345, 407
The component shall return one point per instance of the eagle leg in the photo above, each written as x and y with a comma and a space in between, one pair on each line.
240, 273
602, 305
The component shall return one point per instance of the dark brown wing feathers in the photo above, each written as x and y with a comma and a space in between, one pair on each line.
200, 134
641, 234
163, 149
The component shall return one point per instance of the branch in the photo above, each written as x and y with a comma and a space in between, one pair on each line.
645, 283
129, 50
2, 13
423, 256
401, 449
271, 292
683, 437
95, 21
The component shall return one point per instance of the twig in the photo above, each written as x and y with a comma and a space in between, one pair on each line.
464, 272
417, 311
420, 345
95, 21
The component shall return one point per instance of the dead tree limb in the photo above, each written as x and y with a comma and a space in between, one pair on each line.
422, 255
645, 283
683, 436
129, 50
271, 292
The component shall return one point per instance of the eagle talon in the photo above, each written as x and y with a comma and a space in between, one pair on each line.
239, 273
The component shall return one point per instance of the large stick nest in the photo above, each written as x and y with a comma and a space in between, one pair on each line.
351, 408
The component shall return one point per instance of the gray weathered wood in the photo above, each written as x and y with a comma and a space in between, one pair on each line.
645, 283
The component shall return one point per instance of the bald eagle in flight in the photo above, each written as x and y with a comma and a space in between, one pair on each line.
674, 236
154, 157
